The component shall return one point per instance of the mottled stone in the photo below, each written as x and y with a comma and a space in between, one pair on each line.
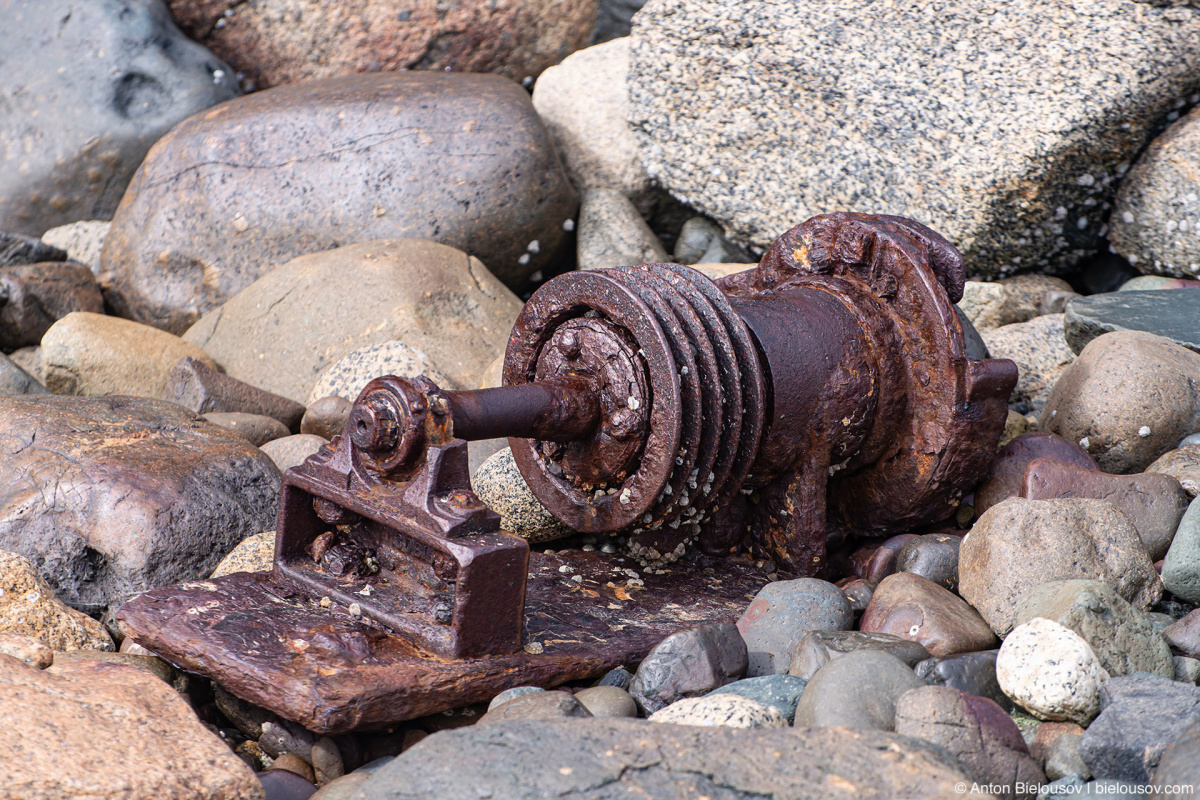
291, 451
97, 730
782, 613
1123, 638
88, 88
357, 368
276, 42
613, 234
30, 649
92, 354
602, 759
778, 691
499, 484
619, 677
984, 740
973, 673
16, 249
28, 606
145, 493
1181, 567
584, 105
989, 304
1140, 717
734, 104
1182, 464
33, 297
214, 208
82, 241
689, 663
607, 702
858, 690
1039, 351
1063, 757
912, 607
536, 705
1020, 543
508, 695
858, 591
1130, 397
253, 554
1008, 469
1035, 294
284, 330
933, 556
720, 710
198, 387
1169, 313
1187, 669
1154, 503
1051, 672
818, 648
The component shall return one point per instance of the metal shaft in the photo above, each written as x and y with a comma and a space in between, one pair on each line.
562, 409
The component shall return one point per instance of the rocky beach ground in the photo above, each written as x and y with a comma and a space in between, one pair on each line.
220, 219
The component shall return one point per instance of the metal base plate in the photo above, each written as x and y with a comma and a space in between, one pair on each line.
266, 642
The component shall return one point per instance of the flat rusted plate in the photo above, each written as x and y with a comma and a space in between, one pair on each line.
332, 673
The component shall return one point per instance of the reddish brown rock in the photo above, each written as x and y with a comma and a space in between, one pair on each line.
35, 296
1182, 464
116, 730
232, 193
1153, 502
876, 562
980, 735
198, 387
1008, 470
1021, 543
284, 41
1184, 635
915, 608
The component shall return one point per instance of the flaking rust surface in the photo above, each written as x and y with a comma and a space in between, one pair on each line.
332, 673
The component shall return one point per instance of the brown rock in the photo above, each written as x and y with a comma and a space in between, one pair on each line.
539, 705
290, 451
257, 429
1184, 635
115, 495
285, 41
28, 607
282, 332
1046, 733
1041, 294
92, 354
915, 608
214, 207
1008, 470
875, 563
1154, 503
104, 731
150, 663
34, 297
980, 735
326, 761
198, 387
295, 765
933, 556
1182, 464
818, 648
1021, 543
1131, 395
327, 417
31, 650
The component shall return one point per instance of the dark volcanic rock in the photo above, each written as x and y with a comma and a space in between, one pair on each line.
606, 759
35, 296
973, 673
88, 87
933, 556
16, 250
1140, 716
1173, 314
690, 663
858, 690
215, 207
111, 496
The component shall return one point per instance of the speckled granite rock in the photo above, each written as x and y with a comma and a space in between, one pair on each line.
253, 554
86, 729
602, 759
82, 241
28, 606
88, 88
720, 710
359, 367
1004, 127
1182, 464
30, 649
1051, 672
1157, 210
499, 484
1040, 352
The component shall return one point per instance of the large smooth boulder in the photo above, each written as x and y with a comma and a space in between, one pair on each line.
283, 331
1157, 211
1021, 543
100, 731
603, 759
1128, 398
111, 496
916, 608
87, 88
284, 41
234, 192
1003, 126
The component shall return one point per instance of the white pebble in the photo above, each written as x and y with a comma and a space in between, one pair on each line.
1144, 431
1085, 443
